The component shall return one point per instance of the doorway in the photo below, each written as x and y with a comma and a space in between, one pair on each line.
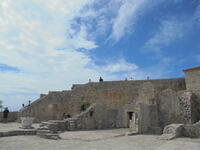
132, 121
129, 118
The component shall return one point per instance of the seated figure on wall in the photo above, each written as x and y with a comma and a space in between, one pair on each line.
65, 116
100, 79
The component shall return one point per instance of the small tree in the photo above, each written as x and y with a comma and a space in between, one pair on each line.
1, 105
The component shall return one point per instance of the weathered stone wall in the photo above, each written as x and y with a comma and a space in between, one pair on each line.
192, 130
116, 95
175, 107
12, 117
50, 106
113, 95
96, 117
148, 119
192, 78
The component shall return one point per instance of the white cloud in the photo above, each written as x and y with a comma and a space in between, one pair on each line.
169, 31
45, 48
121, 66
29, 42
65, 7
127, 16
37, 37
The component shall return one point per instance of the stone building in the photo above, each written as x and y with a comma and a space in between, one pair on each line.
145, 105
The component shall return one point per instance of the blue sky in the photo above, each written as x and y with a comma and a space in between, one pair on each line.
48, 45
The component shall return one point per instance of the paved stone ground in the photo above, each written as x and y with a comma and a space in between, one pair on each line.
137, 142
94, 140
93, 135
12, 126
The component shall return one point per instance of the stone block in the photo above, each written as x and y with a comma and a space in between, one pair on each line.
192, 130
172, 131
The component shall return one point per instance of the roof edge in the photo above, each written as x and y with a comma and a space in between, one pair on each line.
190, 69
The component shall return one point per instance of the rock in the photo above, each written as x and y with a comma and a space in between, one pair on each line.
27, 122
166, 137
172, 131
192, 130
130, 133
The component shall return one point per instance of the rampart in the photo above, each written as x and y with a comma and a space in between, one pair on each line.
50, 106
12, 117
116, 95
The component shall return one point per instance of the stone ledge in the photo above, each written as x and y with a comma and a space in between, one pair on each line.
18, 132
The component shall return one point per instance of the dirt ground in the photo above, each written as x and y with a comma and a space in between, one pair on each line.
94, 140
137, 142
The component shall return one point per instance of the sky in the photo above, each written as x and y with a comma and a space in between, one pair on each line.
49, 45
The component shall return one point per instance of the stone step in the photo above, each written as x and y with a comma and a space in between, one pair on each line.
50, 136
43, 128
47, 123
18, 132
43, 131
167, 137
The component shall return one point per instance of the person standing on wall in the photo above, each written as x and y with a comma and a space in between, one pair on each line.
100, 79
5, 114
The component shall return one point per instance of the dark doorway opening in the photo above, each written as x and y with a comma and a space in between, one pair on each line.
129, 117
130, 114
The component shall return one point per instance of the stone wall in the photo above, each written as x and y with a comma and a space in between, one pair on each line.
179, 130
175, 107
50, 106
192, 130
96, 117
192, 78
112, 94
12, 117
148, 120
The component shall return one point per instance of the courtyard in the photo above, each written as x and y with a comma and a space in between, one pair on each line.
114, 139
137, 142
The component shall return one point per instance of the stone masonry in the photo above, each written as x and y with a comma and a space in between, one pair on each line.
113, 95
149, 104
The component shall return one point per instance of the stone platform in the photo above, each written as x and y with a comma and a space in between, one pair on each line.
93, 135
138, 142
13, 129
4, 127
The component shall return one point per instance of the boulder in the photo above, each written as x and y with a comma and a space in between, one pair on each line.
172, 131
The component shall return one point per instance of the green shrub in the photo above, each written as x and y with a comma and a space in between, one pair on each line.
85, 106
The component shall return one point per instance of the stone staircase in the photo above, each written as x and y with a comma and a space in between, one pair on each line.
51, 129
72, 125
47, 134
44, 131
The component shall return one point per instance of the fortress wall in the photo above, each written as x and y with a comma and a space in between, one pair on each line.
47, 107
112, 94
117, 94
12, 117
176, 107
192, 78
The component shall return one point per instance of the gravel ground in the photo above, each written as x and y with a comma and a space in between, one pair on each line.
137, 142
94, 140
12, 126
93, 135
